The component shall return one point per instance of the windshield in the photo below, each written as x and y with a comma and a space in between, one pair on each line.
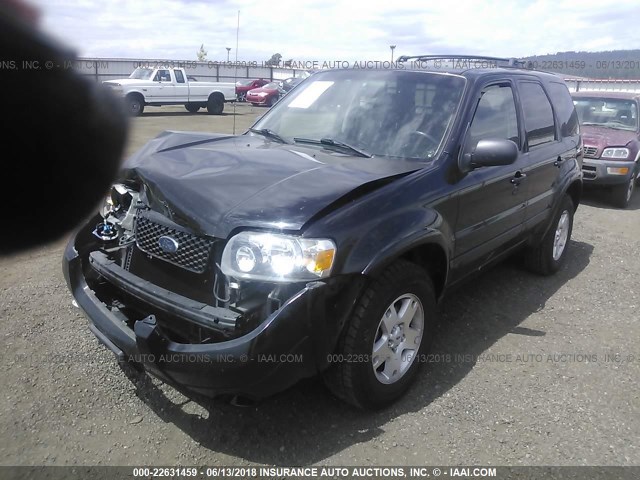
141, 73
272, 86
244, 83
615, 113
381, 112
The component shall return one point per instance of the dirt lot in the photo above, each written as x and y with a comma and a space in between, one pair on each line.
531, 371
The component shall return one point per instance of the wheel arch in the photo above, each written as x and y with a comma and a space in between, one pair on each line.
575, 192
216, 95
429, 254
137, 95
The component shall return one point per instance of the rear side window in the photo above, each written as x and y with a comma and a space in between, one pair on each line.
179, 76
494, 118
538, 114
565, 111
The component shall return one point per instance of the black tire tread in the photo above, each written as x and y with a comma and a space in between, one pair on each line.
339, 378
537, 259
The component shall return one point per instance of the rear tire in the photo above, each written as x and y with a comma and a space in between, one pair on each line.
192, 107
380, 349
621, 194
548, 256
215, 105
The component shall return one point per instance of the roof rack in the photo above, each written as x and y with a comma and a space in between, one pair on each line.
510, 62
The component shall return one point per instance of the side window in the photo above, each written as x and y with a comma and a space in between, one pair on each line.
495, 117
565, 110
179, 76
538, 114
162, 76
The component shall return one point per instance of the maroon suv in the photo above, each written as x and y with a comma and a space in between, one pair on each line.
611, 138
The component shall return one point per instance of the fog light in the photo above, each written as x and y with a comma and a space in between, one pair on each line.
617, 170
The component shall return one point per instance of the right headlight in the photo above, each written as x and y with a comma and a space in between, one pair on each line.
274, 257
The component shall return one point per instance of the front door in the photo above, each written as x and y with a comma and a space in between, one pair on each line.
492, 200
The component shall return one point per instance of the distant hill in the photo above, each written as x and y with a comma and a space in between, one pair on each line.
613, 64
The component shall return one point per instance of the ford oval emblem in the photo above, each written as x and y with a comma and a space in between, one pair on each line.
168, 244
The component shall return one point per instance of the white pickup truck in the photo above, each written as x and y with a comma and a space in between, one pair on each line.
171, 86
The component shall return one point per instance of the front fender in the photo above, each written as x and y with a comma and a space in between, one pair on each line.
393, 236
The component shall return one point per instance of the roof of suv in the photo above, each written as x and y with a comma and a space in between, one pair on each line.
473, 66
605, 94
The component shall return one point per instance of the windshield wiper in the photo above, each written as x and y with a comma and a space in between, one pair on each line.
265, 132
334, 143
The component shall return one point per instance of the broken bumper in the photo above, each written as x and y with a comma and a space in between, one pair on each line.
289, 345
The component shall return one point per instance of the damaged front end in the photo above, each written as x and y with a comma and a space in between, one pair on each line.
155, 293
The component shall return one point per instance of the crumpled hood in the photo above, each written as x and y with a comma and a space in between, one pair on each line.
602, 137
215, 183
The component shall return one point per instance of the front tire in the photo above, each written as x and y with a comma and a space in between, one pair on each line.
379, 352
135, 105
548, 256
621, 194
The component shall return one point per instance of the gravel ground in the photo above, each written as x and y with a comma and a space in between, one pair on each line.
526, 370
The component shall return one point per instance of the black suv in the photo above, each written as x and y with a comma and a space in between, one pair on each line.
321, 240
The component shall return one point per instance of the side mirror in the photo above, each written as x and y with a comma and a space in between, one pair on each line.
490, 153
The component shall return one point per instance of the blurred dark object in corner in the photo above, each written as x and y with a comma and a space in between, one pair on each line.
62, 135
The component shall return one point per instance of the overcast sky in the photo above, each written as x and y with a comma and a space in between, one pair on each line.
332, 30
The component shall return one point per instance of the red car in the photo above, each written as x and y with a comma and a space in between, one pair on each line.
243, 86
266, 95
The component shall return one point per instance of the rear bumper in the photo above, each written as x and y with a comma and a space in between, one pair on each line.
599, 172
290, 344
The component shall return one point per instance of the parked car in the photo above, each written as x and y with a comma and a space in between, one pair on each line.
171, 86
243, 86
289, 83
321, 240
611, 137
266, 95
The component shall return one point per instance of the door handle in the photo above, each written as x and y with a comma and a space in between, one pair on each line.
518, 178
558, 162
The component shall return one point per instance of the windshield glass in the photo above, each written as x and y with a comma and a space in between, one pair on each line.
244, 83
382, 112
272, 86
615, 113
141, 73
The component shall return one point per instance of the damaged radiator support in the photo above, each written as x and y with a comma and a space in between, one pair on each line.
199, 313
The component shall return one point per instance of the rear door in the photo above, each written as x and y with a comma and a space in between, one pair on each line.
545, 150
492, 199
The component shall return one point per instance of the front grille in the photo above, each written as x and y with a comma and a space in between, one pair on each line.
588, 172
193, 251
590, 151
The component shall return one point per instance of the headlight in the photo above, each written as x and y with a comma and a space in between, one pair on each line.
262, 94
620, 153
275, 257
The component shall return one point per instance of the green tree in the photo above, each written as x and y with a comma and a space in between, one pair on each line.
202, 54
274, 60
